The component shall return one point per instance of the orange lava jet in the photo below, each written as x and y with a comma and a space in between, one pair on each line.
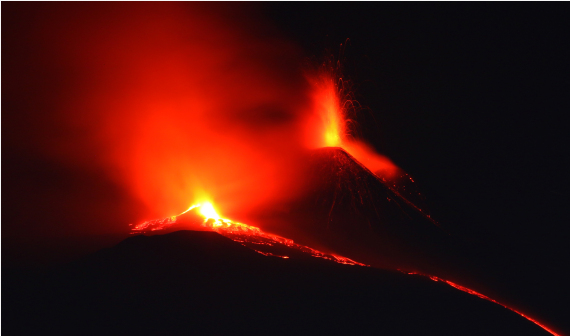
248, 235
332, 130
329, 126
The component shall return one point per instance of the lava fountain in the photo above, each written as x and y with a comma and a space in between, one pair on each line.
331, 124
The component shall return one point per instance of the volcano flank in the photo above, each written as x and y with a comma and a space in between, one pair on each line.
353, 212
203, 283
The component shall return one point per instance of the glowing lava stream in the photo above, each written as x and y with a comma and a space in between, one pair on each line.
484, 297
241, 233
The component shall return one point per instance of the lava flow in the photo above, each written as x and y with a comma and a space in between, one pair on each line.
247, 235
484, 297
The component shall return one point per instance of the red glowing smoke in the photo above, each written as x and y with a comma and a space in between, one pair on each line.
178, 102
182, 103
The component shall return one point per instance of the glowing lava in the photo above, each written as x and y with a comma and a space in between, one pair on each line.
328, 107
207, 210
247, 235
484, 297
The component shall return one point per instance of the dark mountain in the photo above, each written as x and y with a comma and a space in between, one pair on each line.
352, 212
203, 283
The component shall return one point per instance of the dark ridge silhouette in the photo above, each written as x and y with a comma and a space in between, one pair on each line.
195, 282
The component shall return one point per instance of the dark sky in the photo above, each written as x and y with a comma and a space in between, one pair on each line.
469, 99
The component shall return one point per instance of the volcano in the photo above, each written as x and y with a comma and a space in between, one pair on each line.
203, 283
353, 212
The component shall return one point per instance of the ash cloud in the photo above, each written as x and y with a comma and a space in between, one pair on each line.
166, 102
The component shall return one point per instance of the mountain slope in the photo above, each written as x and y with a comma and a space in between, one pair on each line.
204, 283
350, 211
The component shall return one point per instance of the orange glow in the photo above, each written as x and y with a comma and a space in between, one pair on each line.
378, 164
172, 98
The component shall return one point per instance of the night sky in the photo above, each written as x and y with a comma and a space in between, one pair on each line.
469, 99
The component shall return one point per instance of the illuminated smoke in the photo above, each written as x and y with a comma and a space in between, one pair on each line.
173, 100
181, 102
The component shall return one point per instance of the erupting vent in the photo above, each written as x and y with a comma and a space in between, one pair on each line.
249, 236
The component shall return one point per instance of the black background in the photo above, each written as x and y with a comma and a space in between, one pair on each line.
469, 99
